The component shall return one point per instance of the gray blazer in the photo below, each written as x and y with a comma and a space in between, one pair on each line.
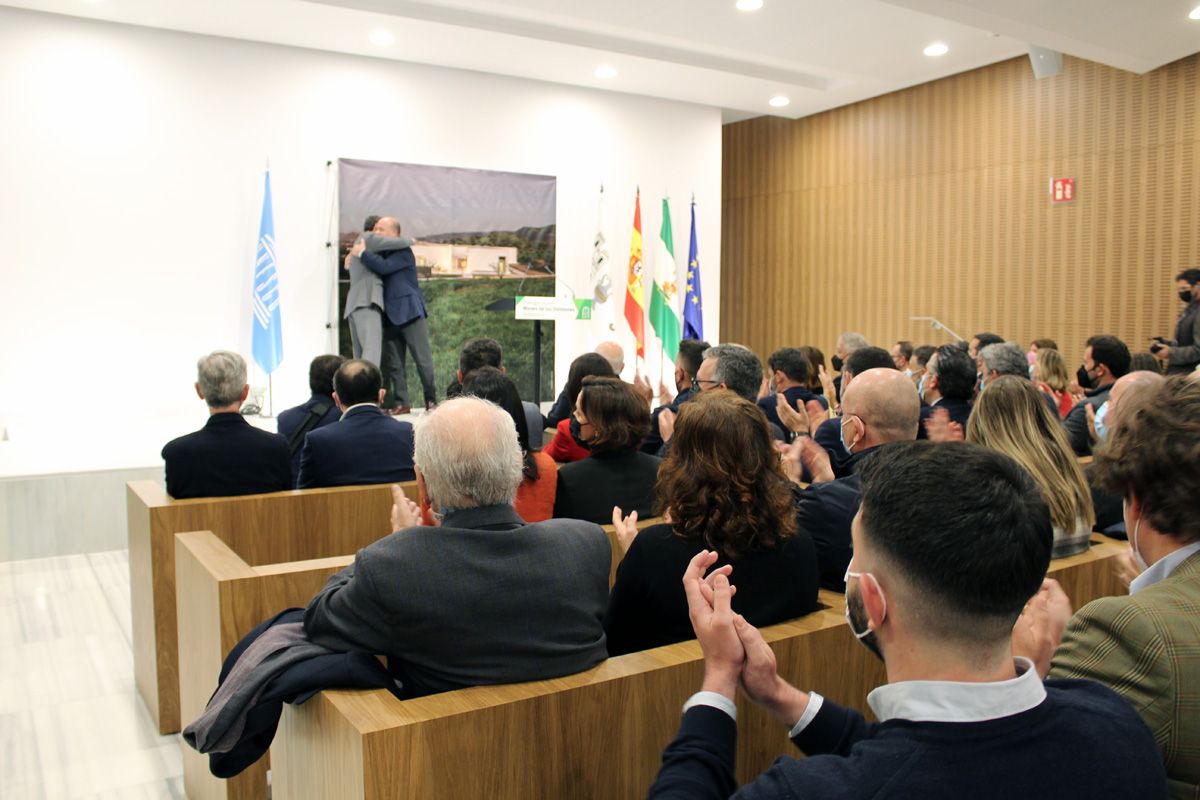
483, 599
366, 288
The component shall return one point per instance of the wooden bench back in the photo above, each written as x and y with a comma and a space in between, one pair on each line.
596, 734
260, 529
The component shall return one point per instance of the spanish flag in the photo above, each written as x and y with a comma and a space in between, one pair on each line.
635, 303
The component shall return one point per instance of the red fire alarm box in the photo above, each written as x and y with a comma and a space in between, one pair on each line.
1063, 190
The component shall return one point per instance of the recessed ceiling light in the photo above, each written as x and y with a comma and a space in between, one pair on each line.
937, 49
779, 101
381, 37
748, 5
606, 71
1195, 13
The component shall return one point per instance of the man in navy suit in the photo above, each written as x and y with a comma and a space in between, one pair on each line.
948, 383
228, 456
404, 311
317, 412
789, 370
365, 445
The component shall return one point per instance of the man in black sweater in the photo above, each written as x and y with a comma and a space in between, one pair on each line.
959, 716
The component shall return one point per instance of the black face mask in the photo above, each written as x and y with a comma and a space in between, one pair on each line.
1083, 378
837, 363
1185, 295
575, 433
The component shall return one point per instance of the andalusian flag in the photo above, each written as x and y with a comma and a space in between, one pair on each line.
635, 296
662, 299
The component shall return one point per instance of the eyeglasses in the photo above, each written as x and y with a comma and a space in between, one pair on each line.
702, 381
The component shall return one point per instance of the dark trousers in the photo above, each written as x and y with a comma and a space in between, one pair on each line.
411, 337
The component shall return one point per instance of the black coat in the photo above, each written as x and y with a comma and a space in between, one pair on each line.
364, 447
589, 489
227, 457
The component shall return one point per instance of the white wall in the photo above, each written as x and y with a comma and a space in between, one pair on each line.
131, 167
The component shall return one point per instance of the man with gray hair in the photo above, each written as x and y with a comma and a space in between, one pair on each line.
724, 366
1003, 358
483, 598
228, 456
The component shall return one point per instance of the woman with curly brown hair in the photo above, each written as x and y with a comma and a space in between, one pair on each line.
722, 488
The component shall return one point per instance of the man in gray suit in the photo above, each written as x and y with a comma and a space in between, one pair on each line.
364, 301
483, 598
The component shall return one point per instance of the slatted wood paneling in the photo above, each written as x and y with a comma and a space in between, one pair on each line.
934, 201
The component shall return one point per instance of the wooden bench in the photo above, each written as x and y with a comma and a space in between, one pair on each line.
596, 734
261, 529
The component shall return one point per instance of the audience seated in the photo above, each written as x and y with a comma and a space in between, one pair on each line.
829, 434
1105, 359
566, 445
228, 456
846, 345
613, 419
687, 364
1110, 507
612, 354
1006, 358
317, 412
920, 361
1144, 362
484, 598
982, 340
722, 488
816, 369
535, 495
1011, 417
960, 716
880, 406
788, 376
1144, 646
1042, 344
949, 386
1049, 374
483, 351
365, 446
902, 355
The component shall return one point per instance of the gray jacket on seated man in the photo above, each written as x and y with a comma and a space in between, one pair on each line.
483, 598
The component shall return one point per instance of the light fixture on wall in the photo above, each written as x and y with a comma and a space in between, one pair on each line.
779, 101
1195, 13
937, 49
748, 5
381, 37
606, 71
1046, 63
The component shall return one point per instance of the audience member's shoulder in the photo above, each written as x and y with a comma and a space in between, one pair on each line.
1093, 708
181, 444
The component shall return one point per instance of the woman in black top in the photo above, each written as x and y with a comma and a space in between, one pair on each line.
722, 487
613, 420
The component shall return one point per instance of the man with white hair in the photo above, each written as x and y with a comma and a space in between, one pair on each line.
228, 456
483, 598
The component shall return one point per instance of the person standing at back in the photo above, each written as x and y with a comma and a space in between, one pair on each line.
1182, 354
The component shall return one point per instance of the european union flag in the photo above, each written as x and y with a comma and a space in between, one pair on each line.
693, 303
267, 342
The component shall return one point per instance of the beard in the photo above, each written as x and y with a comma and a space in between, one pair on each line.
859, 622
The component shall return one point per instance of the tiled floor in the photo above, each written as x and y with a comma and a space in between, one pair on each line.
71, 724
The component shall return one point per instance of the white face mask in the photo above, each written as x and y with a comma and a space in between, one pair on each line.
1133, 544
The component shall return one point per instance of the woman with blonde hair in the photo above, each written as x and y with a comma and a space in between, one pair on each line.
1011, 418
1049, 374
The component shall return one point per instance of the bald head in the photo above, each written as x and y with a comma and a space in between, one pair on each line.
386, 226
1127, 386
887, 403
467, 454
613, 353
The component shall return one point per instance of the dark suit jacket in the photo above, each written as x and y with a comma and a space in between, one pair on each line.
402, 298
589, 489
825, 512
959, 410
653, 442
483, 599
227, 457
291, 419
770, 404
1076, 420
364, 447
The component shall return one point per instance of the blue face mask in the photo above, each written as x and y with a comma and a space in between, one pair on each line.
842, 434
1101, 428
921, 387
982, 383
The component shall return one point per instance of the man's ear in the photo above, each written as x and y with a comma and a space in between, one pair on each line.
382, 394
245, 393
458, 375
337, 401
199, 393
873, 599
421, 487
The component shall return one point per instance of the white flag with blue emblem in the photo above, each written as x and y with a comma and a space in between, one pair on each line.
267, 342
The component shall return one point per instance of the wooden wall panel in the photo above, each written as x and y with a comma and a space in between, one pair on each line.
934, 201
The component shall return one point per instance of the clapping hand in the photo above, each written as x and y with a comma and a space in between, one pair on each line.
625, 527
712, 619
666, 424
405, 513
1090, 411
664, 393
794, 419
1039, 629
939, 427
816, 460
642, 386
